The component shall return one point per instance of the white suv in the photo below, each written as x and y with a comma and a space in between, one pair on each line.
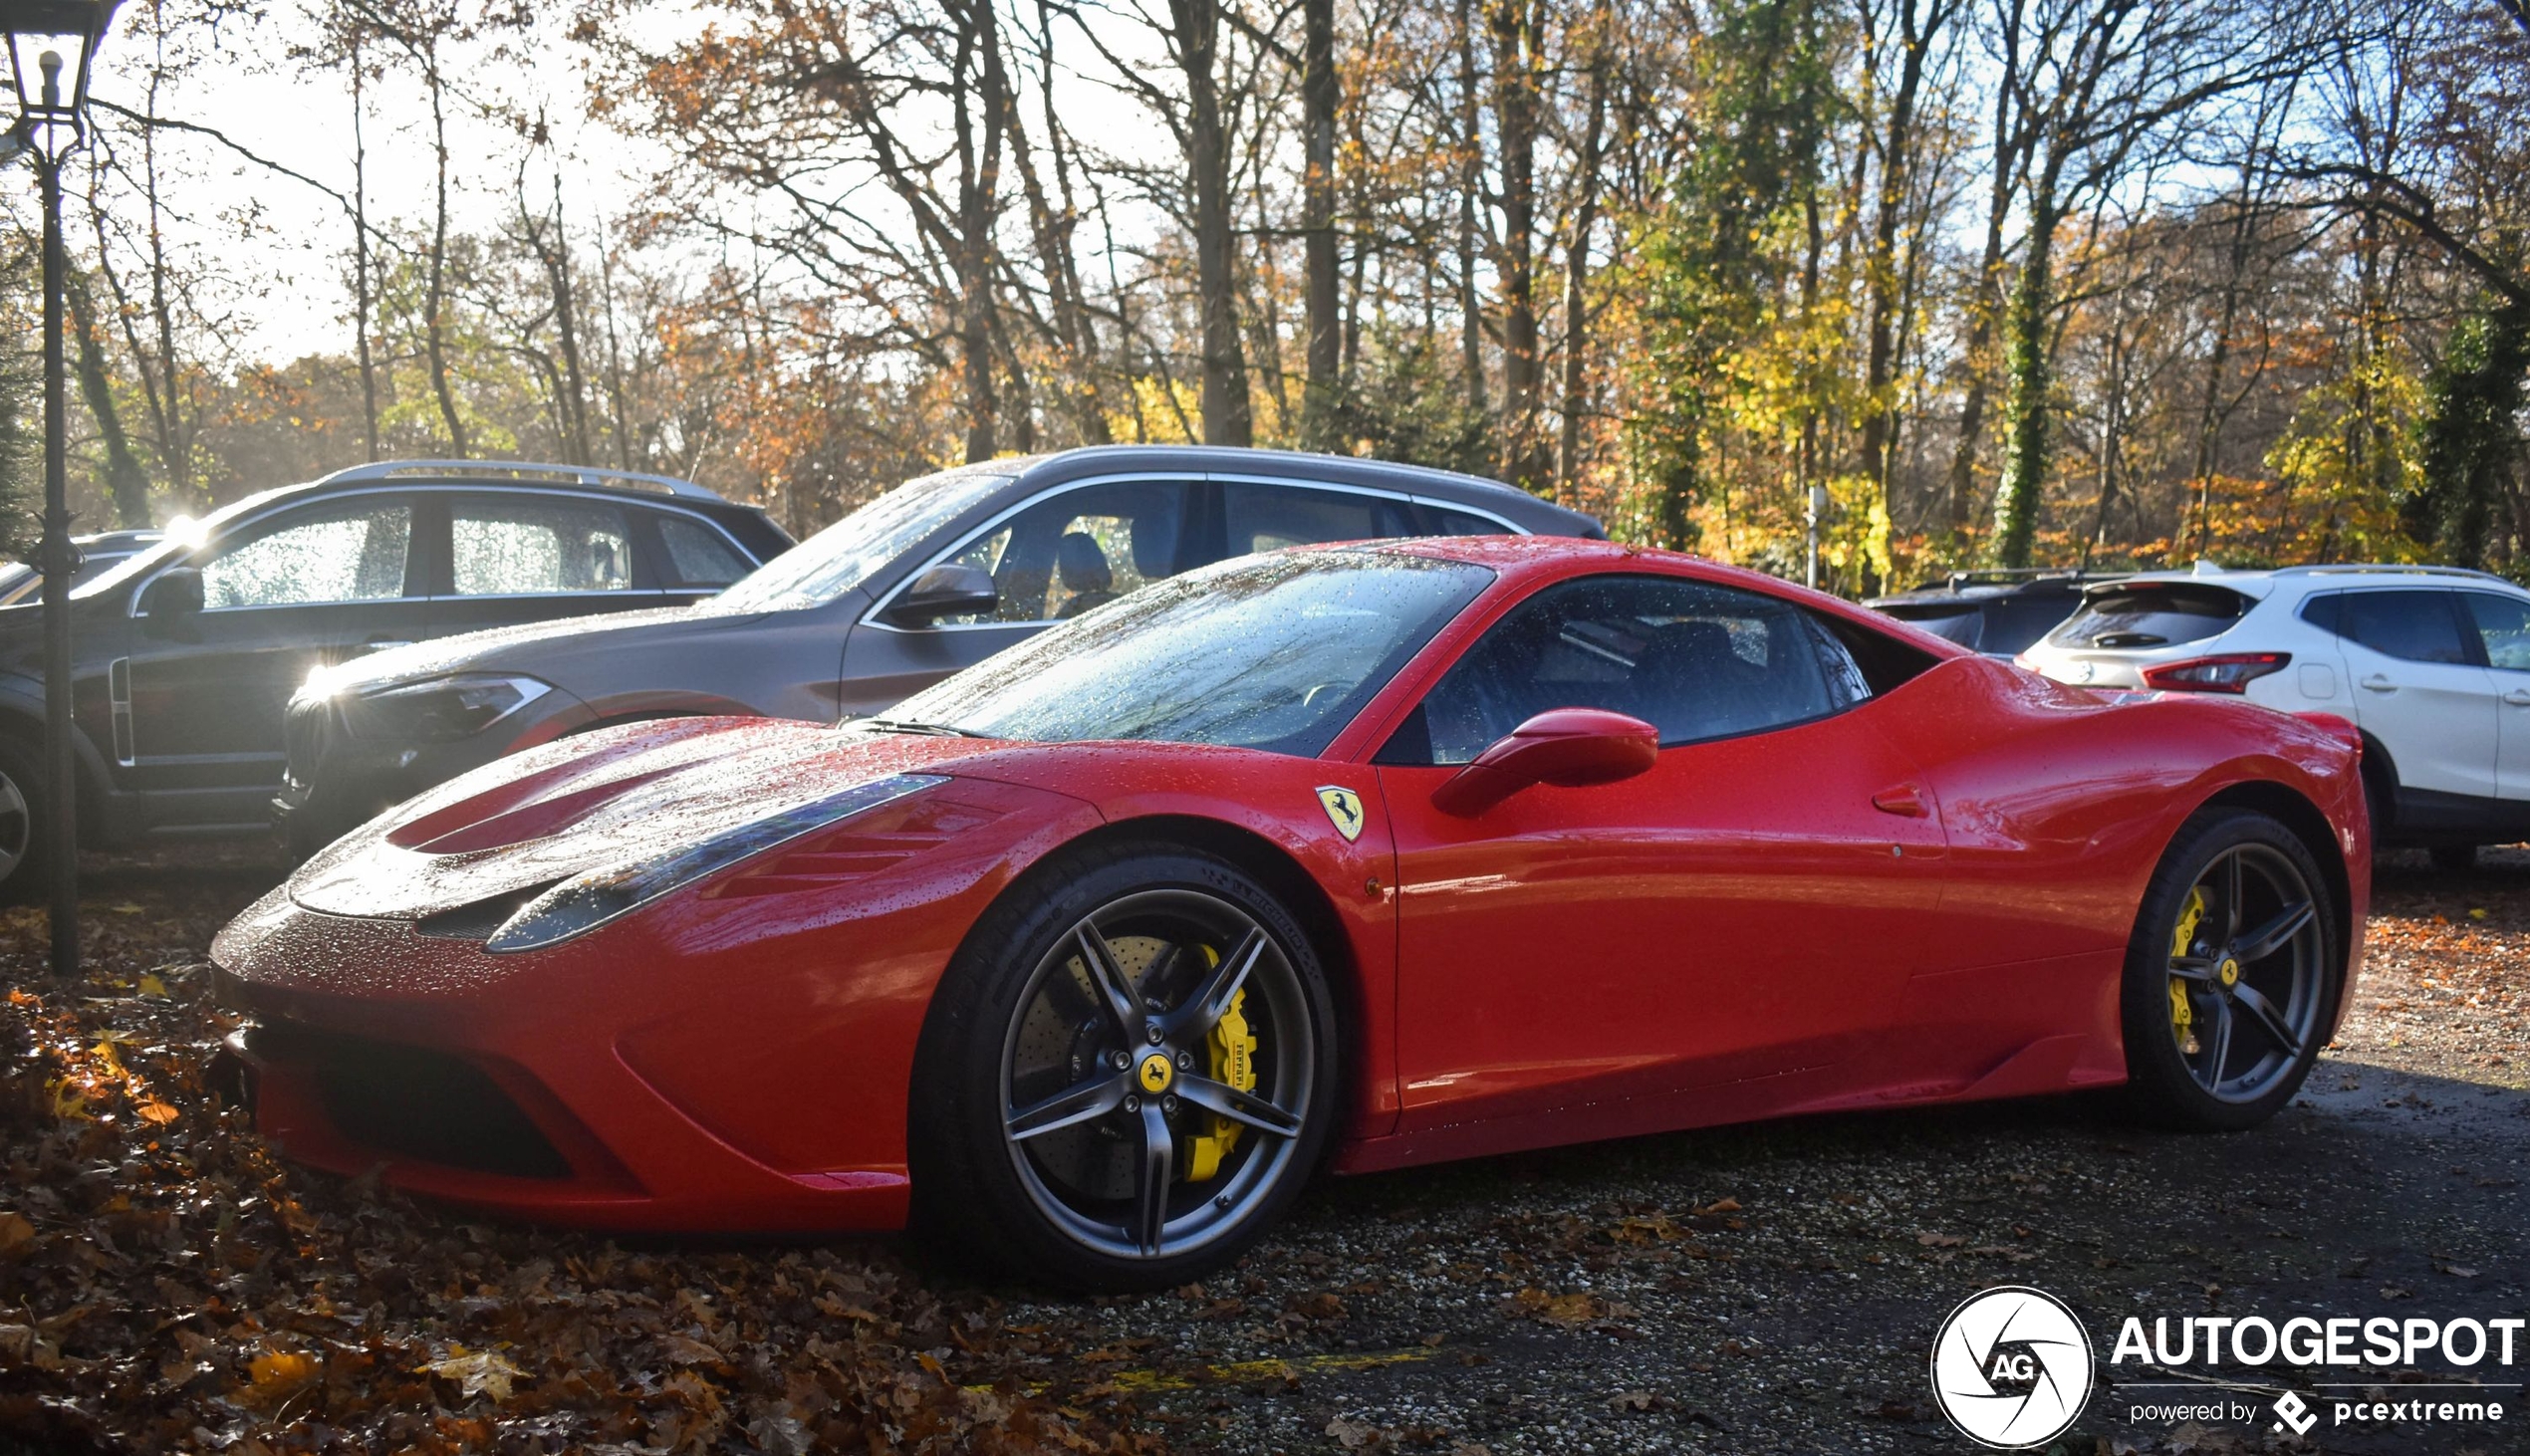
2432, 664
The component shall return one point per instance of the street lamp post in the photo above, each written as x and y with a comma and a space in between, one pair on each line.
51, 43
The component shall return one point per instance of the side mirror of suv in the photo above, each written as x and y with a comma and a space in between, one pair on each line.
175, 595
944, 590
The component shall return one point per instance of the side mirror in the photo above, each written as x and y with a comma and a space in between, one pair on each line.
949, 591
174, 596
1570, 747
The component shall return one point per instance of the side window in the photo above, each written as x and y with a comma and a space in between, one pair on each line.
2417, 627
2503, 625
526, 547
1693, 660
698, 555
1465, 523
1271, 517
344, 552
1078, 550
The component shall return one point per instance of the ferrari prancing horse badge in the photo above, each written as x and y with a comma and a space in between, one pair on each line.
1344, 807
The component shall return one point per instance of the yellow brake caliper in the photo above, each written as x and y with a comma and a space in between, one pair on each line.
1233, 1052
2183, 1016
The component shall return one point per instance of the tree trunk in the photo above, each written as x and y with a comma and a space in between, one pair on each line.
2026, 416
1470, 196
1577, 268
125, 479
1224, 394
434, 325
1516, 122
979, 183
364, 301
1317, 102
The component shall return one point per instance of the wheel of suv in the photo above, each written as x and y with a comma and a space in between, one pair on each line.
1127, 1072
22, 825
2231, 975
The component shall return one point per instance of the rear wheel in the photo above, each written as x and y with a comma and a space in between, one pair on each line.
2231, 975
1127, 1075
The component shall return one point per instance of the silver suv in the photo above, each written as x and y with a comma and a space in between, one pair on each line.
2432, 664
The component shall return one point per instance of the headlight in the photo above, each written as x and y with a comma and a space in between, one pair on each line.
440, 709
586, 901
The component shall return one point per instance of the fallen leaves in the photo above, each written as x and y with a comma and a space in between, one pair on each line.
477, 1373
166, 1284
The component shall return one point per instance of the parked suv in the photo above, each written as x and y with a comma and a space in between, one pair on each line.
933, 577
21, 581
186, 654
2432, 664
1994, 613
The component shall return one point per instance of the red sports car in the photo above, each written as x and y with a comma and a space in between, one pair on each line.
1090, 956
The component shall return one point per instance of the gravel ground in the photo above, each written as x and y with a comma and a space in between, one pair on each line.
1776, 1287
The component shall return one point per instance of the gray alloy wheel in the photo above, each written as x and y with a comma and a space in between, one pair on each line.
1157, 1076
2247, 973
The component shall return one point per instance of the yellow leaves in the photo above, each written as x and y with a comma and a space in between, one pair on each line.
476, 1373
277, 1374
1569, 1311
69, 1105
150, 985
154, 1111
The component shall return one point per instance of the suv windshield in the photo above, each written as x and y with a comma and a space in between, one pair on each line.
2150, 614
842, 557
1275, 653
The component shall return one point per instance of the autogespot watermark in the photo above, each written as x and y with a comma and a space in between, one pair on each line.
2013, 1368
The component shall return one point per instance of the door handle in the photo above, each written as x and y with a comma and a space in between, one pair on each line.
2377, 683
2519, 697
1904, 800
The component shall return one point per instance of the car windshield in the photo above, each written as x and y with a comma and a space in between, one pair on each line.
2150, 614
1274, 651
842, 557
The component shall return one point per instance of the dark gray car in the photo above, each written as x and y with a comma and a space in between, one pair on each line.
933, 577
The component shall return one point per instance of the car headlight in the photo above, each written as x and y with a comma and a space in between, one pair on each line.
440, 709
586, 901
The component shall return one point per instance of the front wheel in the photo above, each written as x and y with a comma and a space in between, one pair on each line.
1127, 1074
24, 862
2231, 976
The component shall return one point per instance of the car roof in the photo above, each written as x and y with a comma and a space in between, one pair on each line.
2259, 583
1520, 559
1449, 486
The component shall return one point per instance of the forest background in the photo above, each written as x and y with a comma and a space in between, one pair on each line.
2106, 283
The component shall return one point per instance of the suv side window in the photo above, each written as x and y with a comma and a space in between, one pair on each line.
1076, 550
352, 552
1452, 521
2415, 625
1693, 660
698, 555
1271, 517
518, 547
2503, 627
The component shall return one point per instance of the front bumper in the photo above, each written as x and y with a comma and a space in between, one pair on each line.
375, 1046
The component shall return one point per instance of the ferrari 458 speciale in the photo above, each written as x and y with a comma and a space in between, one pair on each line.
1088, 957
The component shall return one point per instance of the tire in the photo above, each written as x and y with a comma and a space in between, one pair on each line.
1020, 1025
2454, 858
25, 863
2260, 984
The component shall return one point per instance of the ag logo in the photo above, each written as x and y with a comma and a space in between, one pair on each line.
1344, 807
2292, 1410
2012, 1368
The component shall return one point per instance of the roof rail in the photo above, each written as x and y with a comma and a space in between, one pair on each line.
2357, 568
522, 470
1990, 576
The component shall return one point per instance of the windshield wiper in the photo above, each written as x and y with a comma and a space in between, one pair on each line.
927, 730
